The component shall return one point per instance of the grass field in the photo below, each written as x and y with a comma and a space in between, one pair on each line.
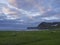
30, 38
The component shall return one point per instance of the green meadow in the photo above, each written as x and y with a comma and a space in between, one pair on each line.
29, 37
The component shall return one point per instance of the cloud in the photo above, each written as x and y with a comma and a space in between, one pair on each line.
51, 18
10, 14
13, 2
42, 8
3, 1
30, 14
5, 10
35, 4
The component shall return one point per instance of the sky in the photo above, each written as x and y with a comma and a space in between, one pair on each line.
24, 13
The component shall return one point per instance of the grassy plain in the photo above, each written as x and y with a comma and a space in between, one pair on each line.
29, 37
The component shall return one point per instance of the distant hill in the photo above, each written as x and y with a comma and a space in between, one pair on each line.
49, 25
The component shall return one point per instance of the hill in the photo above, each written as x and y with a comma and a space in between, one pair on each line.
49, 25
